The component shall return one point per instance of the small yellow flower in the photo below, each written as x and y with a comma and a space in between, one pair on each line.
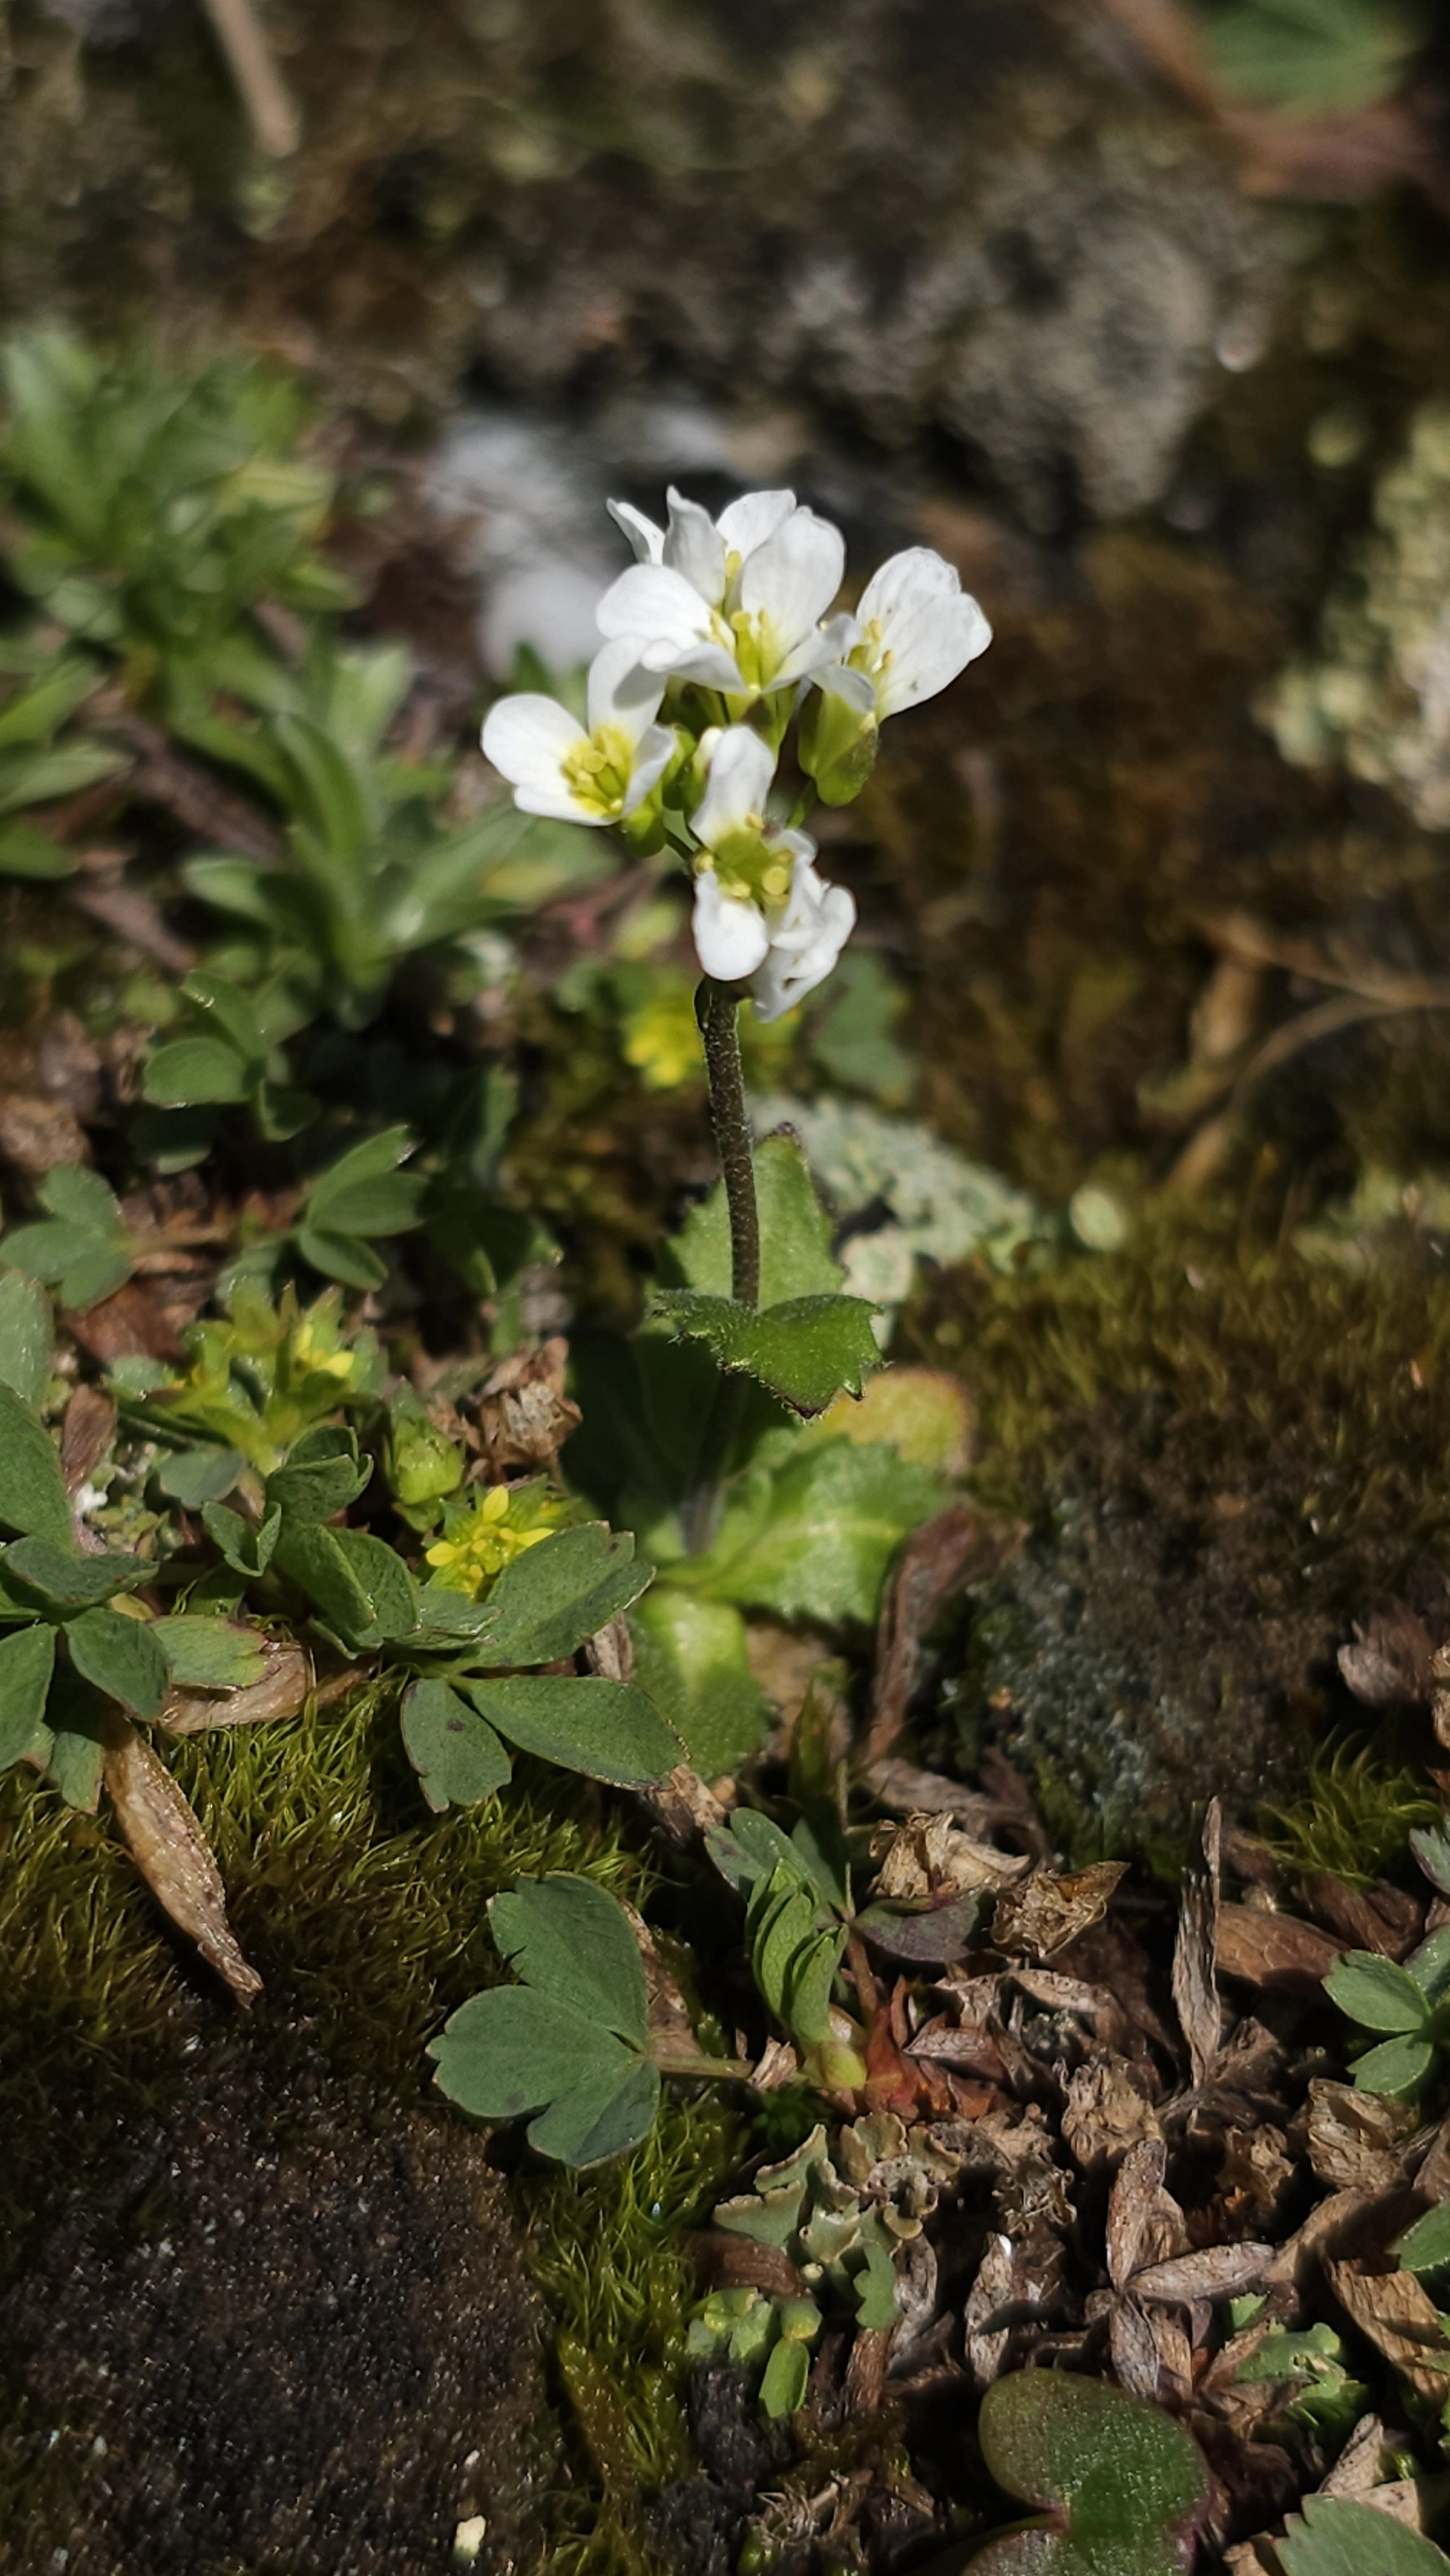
480, 1540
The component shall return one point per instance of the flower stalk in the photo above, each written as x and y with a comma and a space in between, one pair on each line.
717, 1008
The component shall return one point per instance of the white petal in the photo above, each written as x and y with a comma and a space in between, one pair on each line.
710, 664
929, 644
919, 573
741, 769
840, 681
823, 644
803, 949
746, 523
621, 691
791, 580
695, 547
528, 740
653, 754
731, 939
658, 608
647, 540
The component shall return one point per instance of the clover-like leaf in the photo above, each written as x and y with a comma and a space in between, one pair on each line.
123, 1658
1376, 1992
807, 1350
81, 1246
609, 1730
1338, 2536
211, 1654
570, 2043
33, 1498
567, 1588
455, 1752
66, 1581
27, 1660
322, 1475
25, 1336
1124, 2486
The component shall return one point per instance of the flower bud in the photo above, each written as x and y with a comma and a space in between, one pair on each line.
837, 746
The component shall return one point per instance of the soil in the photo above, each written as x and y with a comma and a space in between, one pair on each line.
272, 2322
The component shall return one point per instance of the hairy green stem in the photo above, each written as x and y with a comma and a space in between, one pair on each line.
717, 1010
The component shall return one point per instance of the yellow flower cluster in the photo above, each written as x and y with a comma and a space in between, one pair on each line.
479, 1541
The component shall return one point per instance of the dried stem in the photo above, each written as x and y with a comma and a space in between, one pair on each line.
271, 112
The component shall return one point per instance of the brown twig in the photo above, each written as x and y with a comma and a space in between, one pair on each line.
271, 110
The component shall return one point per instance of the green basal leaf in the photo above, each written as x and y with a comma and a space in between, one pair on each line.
66, 1581
212, 1654
322, 1475
812, 1538
796, 1259
1131, 2485
573, 1941
189, 1071
123, 1658
246, 1546
33, 1498
1396, 2066
25, 1336
609, 1730
455, 1752
84, 1248
1376, 1992
567, 1588
75, 1755
27, 1660
691, 1660
344, 1257
1425, 2247
1429, 1965
384, 1579
1337, 2536
807, 1351
33, 855
1312, 57
311, 1558
786, 2379
192, 1477
514, 2050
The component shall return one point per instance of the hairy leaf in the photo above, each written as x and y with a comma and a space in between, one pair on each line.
27, 1660
33, 1497
122, 1658
455, 1752
806, 1351
607, 1729
567, 1588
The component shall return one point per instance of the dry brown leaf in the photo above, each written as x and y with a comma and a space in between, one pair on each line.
144, 1320
1107, 2110
1400, 2318
1355, 2139
727, 2262
172, 1854
1133, 2344
1214, 2272
610, 1651
1358, 2466
909, 1791
1048, 1911
86, 1432
930, 1856
283, 1691
784, 1663
1195, 1994
1332, 2224
1019, 2277
669, 2020
682, 1806
1145, 2224
1265, 1948
942, 1557
37, 1134
1389, 1663
1432, 2177
524, 1415
1254, 2174
1386, 1919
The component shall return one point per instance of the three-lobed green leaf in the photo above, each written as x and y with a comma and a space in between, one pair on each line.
1339, 2536
553, 1596
570, 2042
806, 1351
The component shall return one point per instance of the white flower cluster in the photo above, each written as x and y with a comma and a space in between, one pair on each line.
723, 628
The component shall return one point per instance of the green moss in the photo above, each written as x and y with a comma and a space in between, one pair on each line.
367, 1920
1355, 1817
1224, 1459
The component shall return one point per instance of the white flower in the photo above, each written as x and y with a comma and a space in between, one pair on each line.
557, 768
697, 545
805, 940
735, 604
918, 629
761, 910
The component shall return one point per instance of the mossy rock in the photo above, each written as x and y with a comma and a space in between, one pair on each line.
1224, 1463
